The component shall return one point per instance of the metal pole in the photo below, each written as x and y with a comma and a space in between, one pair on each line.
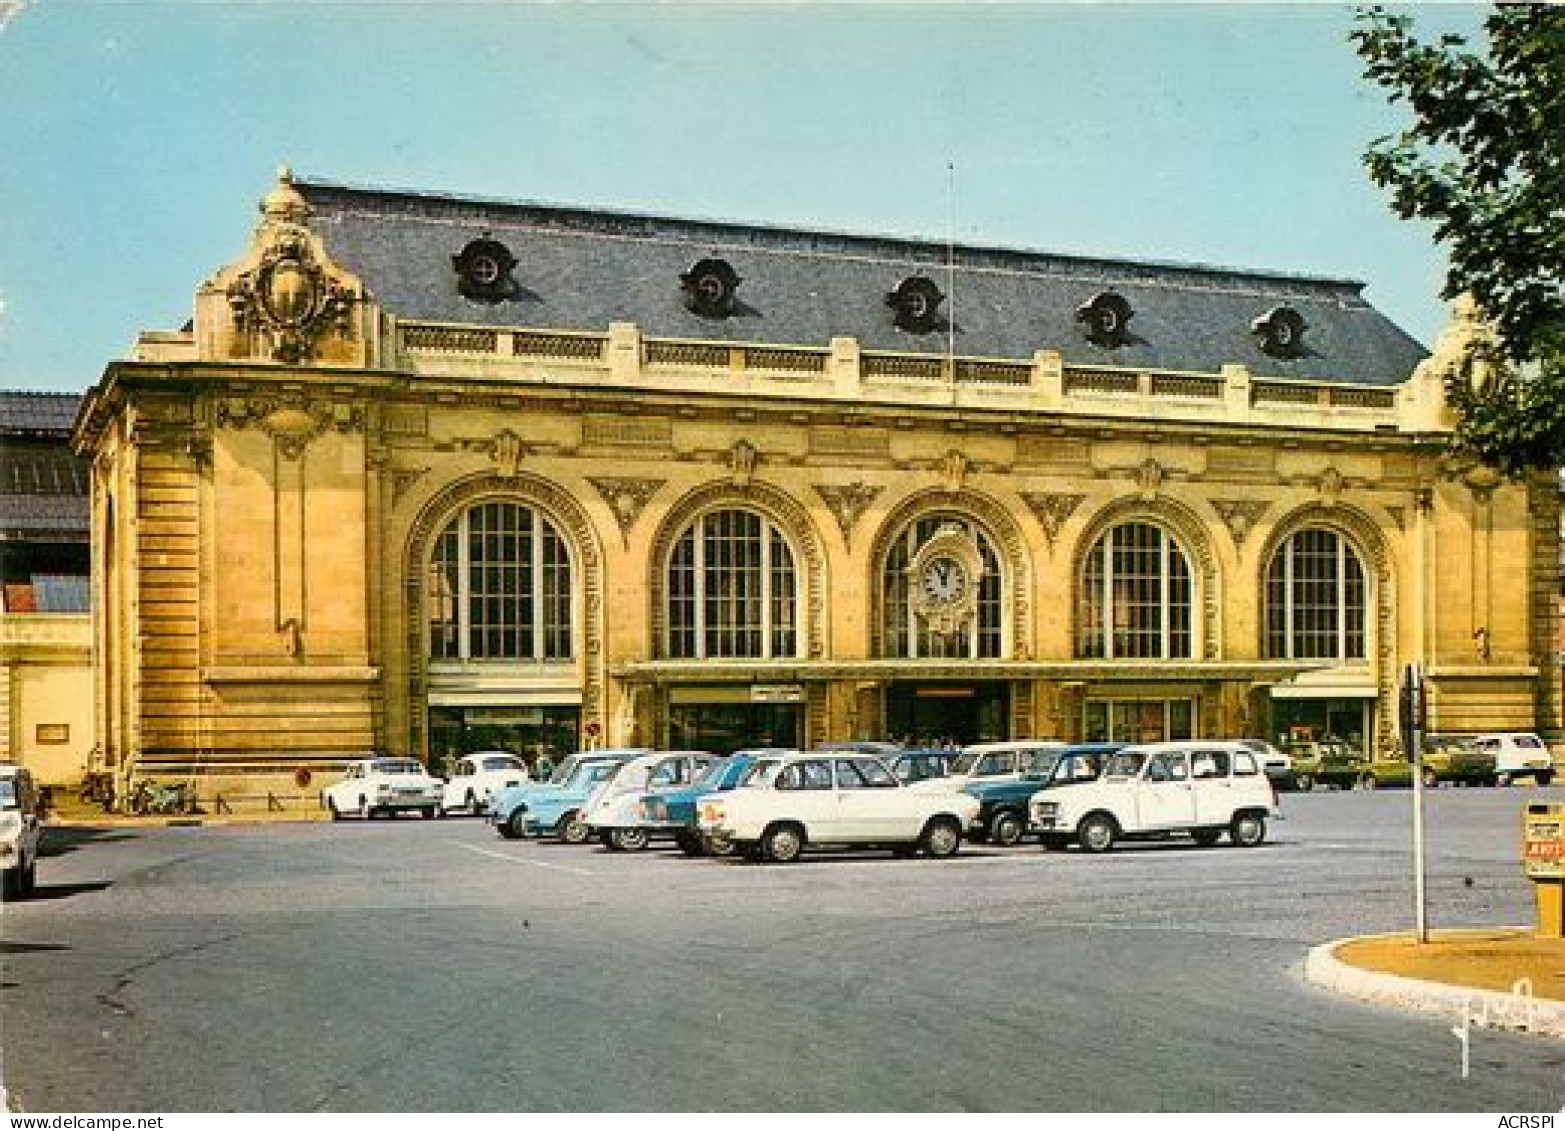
1416, 732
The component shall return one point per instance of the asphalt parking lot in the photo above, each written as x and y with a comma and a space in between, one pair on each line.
430, 965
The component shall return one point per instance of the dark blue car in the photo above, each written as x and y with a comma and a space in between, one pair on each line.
1002, 803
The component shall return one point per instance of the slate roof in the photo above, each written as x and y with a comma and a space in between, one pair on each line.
37, 413
44, 517
581, 268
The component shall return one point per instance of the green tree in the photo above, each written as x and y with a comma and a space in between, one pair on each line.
1483, 159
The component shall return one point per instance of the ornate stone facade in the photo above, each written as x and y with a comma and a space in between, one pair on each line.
326, 524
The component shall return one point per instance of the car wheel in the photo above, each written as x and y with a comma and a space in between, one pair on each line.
1431, 779
1007, 828
1545, 777
572, 829
30, 877
515, 826
1097, 832
331, 805
1206, 837
942, 837
1368, 781
1247, 830
11, 884
630, 840
718, 846
365, 812
782, 844
1502, 779
429, 812
1304, 783
689, 843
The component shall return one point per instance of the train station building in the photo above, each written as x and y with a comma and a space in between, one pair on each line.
429, 474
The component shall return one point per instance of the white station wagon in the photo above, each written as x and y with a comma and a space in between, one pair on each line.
1204, 788
785, 803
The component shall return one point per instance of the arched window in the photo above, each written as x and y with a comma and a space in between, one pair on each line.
1315, 598
906, 634
499, 587
732, 590
1136, 596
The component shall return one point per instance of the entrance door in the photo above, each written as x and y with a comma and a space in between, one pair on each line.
934, 714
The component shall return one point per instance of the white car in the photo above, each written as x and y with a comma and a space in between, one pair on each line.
785, 803
614, 813
476, 778
383, 785
1517, 755
20, 830
1203, 788
993, 761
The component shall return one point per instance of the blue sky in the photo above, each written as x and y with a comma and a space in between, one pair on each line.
140, 135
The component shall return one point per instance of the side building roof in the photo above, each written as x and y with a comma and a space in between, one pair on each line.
581, 268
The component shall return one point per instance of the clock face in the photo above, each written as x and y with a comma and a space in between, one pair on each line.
944, 580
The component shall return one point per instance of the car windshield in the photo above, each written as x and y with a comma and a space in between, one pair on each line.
8, 794
968, 761
562, 772
502, 764
398, 766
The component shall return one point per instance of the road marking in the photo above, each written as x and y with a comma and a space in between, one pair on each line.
510, 859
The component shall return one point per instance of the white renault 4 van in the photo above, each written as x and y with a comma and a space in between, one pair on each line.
20, 830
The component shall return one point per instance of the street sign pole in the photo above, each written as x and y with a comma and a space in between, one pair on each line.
1414, 717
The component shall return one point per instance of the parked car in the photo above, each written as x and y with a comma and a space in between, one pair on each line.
1004, 759
555, 805
1457, 758
371, 786
1274, 763
1518, 755
673, 811
476, 778
613, 812
1327, 762
21, 830
1197, 787
784, 804
1003, 802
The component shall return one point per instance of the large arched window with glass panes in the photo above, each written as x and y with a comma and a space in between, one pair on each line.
907, 631
1136, 596
499, 587
1316, 596
733, 589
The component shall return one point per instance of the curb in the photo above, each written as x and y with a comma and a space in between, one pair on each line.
179, 822
1490, 1009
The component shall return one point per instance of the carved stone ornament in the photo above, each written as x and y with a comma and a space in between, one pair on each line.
1240, 516
507, 451
627, 498
1052, 509
292, 421
1330, 486
847, 504
289, 297
953, 470
1149, 478
402, 480
742, 458
943, 580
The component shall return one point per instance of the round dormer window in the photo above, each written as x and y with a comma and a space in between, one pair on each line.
710, 288
916, 304
483, 270
1105, 319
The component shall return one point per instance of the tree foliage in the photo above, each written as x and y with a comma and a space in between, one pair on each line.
1483, 159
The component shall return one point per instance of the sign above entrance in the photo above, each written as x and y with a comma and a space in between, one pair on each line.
776, 693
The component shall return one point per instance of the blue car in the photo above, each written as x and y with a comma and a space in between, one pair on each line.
673, 811
555, 805
1002, 801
